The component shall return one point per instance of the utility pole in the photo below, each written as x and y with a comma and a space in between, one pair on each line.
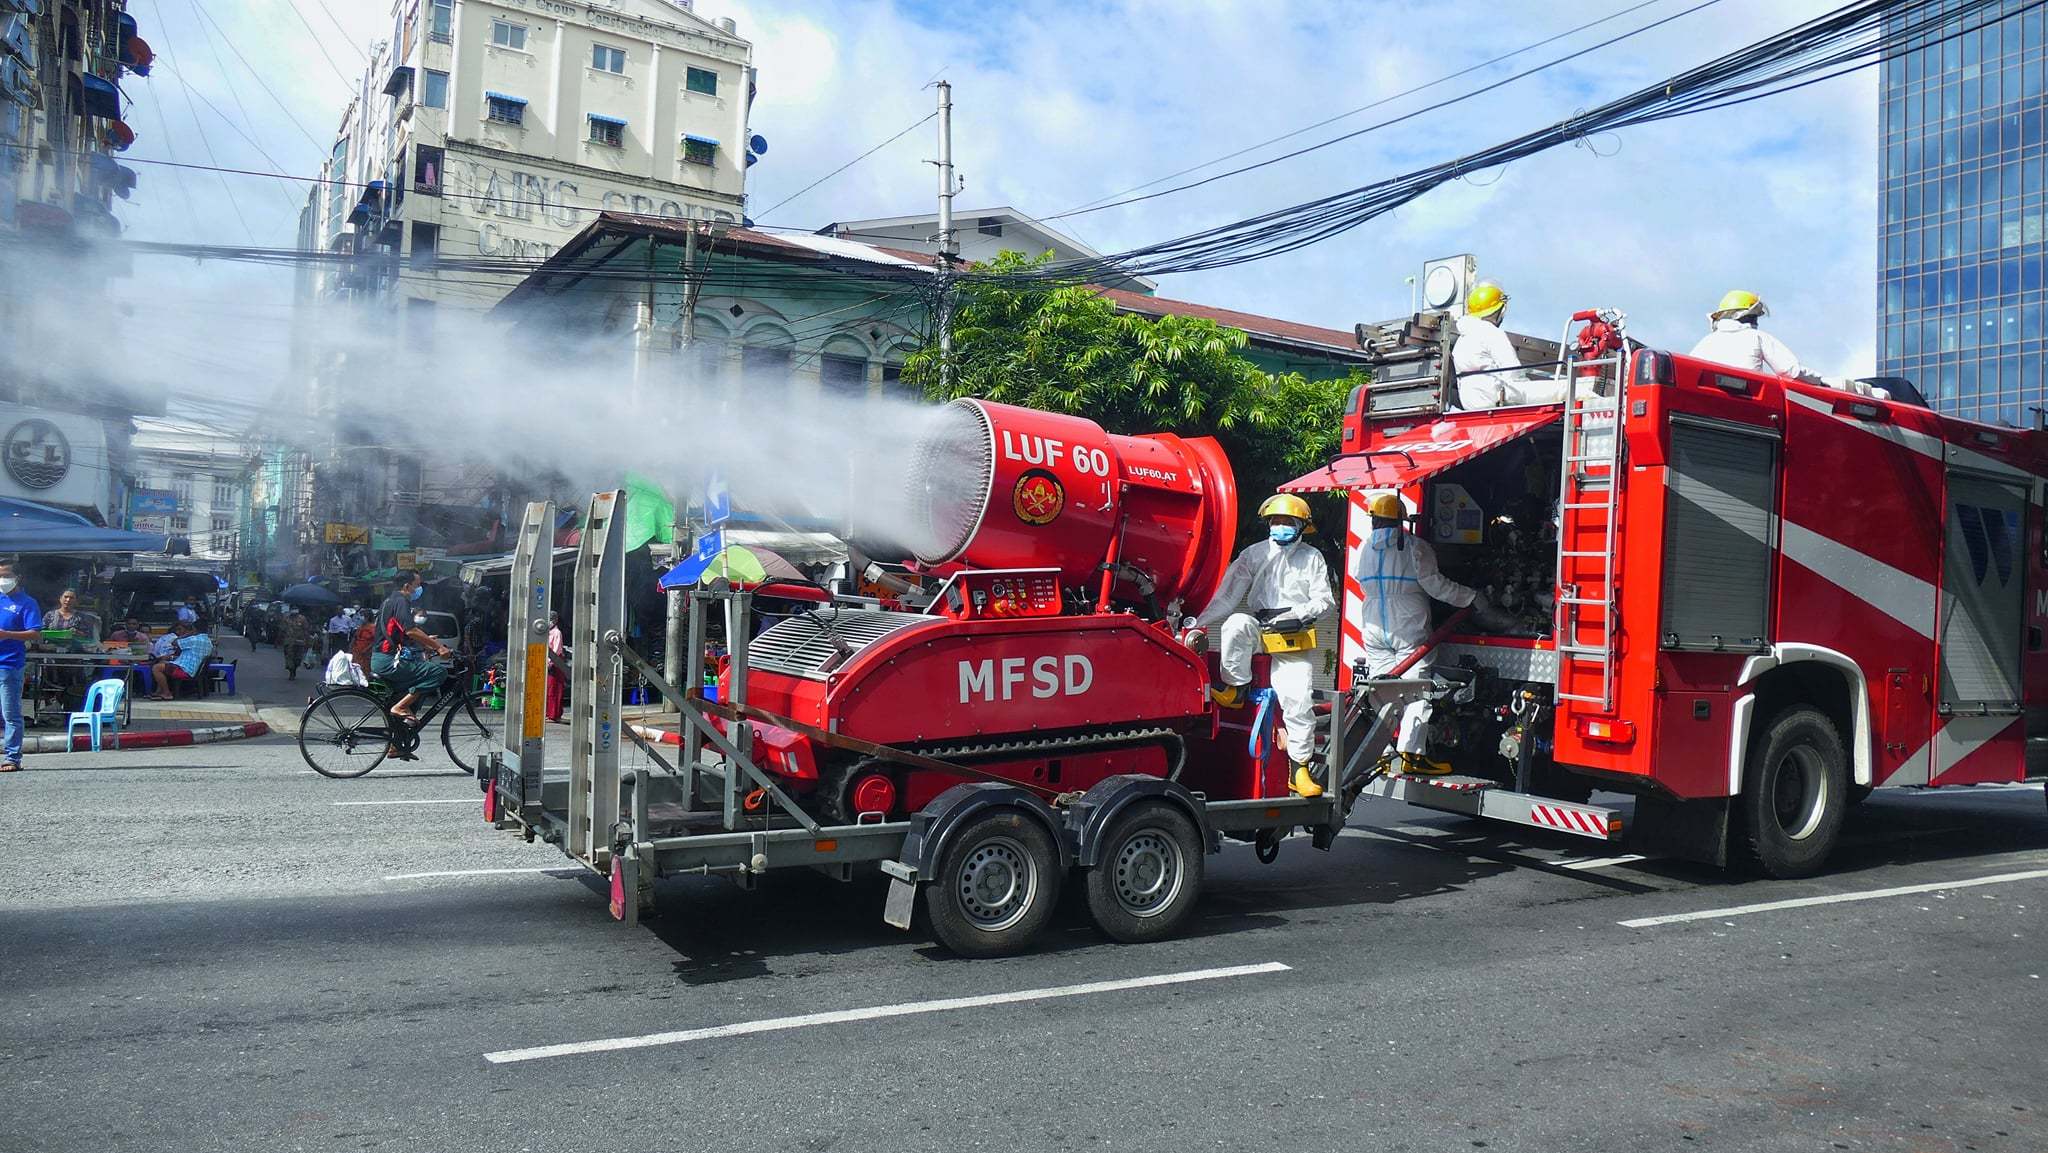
949, 239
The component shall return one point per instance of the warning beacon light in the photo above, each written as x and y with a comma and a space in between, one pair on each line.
994, 486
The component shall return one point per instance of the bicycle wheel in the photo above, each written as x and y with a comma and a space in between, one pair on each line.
345, 733
472, 730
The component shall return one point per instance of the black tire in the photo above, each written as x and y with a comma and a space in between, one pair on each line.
471, 731
1150, 874
345, 733
997, 885
1795, 790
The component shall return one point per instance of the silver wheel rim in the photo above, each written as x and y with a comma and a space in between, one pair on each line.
1148, 873
997, 885
1799, 793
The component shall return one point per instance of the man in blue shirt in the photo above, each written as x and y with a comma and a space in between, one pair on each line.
21, 620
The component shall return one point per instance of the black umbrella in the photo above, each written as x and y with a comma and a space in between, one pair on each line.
308, 594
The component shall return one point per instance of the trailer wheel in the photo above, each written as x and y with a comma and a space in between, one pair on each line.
996, 887
1150, 874
1795, 790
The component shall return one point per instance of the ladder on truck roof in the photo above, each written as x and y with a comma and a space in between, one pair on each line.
1587, 504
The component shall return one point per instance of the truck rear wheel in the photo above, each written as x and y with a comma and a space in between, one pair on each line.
1150, 874
1795, 790
997, 885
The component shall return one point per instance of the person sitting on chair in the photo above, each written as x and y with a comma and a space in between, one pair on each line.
187, 664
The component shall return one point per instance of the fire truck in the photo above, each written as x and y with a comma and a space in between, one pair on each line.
1742, 600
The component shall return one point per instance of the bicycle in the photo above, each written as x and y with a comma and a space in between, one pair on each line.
347, 731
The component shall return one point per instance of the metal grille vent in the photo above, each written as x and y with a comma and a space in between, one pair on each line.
947, 482
811, 646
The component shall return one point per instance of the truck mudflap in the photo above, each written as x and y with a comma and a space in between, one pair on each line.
1480, 797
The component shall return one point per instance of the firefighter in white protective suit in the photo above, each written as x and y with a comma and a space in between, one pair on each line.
1738, 342
1486, 362
1282, 586
1397, 575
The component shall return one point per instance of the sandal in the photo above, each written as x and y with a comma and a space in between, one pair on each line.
10, 766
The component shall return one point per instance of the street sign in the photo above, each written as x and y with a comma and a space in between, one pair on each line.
717, 500
692, 567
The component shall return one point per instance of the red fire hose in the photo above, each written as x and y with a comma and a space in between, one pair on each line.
1429, 642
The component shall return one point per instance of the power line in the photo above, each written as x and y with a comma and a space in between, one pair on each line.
257, 76
339, 74
1327, 121
849, 164
1370, 128
186, 88
344, 31
236, 96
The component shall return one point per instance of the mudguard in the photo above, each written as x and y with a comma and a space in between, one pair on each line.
933, 825
1088, 819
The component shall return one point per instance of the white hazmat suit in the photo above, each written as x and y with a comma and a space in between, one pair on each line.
1738, 344
1481, 347
1290, 578
1397, 575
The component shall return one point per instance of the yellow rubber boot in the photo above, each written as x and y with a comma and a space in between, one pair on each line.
1415, 764
1227, 696
1304, 784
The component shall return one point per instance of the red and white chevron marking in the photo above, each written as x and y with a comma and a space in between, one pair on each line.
1570, 820
654, 736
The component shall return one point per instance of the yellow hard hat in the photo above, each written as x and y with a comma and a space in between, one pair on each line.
1386, 506
1485, 299
1284, 504
1740, 304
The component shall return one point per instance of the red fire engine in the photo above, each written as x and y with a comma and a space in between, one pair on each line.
1743, 600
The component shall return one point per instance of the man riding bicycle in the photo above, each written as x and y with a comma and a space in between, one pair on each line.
397, 660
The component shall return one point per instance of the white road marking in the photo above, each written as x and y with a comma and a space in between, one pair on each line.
571, 871
875, 1013
416, 801
383, 773
1602, 862
1833, 899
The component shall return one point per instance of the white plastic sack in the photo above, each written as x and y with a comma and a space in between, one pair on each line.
342, 670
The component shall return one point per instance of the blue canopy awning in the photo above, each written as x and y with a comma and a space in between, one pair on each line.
502, 96
695, 139
102, 99
27, 527
607, 120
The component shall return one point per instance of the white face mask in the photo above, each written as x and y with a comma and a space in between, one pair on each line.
9, 584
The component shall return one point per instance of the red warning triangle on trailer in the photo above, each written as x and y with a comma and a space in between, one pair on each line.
1393, 459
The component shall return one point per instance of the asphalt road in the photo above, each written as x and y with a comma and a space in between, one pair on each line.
211, 948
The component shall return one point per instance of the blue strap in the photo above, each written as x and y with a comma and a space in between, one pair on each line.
1265, 700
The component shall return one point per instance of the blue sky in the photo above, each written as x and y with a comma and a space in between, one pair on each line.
1057, 105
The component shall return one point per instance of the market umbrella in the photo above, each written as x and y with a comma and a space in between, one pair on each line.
309, 594
740, 564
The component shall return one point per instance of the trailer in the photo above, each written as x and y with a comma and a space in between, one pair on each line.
1027, 724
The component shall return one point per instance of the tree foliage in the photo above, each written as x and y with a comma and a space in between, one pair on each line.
1065, 348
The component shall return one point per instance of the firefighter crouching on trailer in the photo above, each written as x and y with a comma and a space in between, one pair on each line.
1736, 341
1488, 369
1397, 576
1285, 586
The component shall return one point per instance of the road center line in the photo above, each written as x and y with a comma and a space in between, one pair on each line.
875, 1013
413, 801
1832, 899
564, 872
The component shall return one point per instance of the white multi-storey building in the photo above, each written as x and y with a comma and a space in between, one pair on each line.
499, 128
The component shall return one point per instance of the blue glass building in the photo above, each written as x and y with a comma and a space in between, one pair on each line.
1961, 241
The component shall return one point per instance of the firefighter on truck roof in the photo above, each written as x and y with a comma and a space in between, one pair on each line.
1397, 575
1489, 372
1284, 586
1738, 342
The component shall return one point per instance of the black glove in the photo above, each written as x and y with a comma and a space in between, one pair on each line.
1284, 623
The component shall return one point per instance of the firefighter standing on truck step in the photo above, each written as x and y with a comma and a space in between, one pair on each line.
1397, 575
1284, 586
